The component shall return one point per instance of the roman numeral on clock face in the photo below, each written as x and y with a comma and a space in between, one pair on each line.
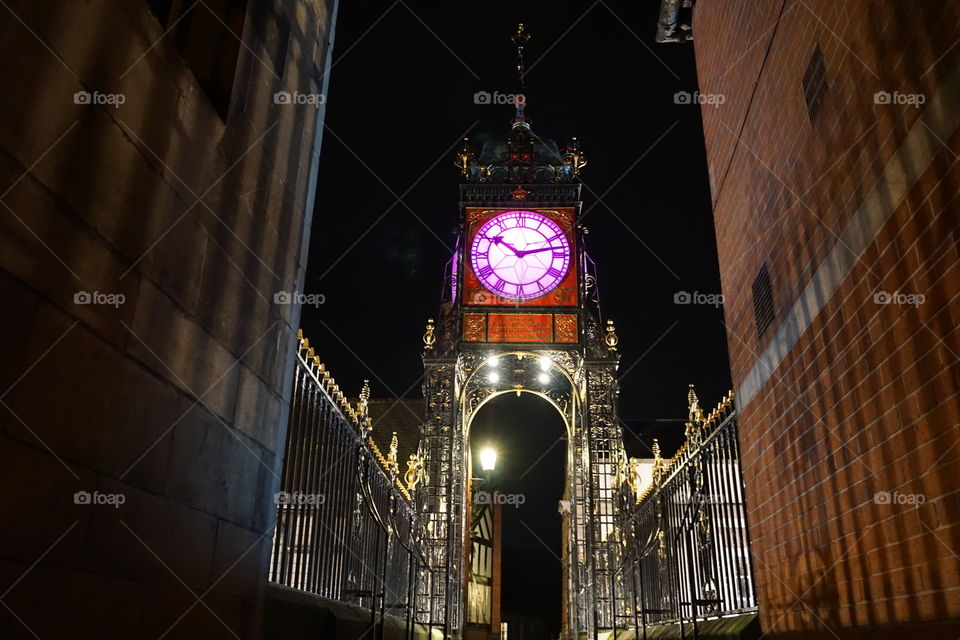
556, 273
485, 272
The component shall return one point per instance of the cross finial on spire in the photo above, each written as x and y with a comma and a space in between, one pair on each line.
520, 38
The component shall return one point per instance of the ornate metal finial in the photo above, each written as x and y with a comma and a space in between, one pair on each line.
415, 473
519, 39
694, 412
574, 157
392, 464
466, 158
428, 338
611, 338
658, 465
694, 419
621, 475
363, 404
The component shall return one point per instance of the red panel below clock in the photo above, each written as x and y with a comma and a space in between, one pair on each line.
520, 327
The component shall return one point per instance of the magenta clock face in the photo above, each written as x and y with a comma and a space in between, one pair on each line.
520, 255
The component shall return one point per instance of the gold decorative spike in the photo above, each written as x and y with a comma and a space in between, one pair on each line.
428, 338
363, 401
658, 465
392, 455
611, 338
574, 157
694, 412
299, 334
310, 353
465, 158
305, 344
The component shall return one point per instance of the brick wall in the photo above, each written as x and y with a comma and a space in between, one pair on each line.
849, 392
173, 397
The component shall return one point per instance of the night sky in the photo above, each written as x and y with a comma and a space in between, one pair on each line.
401, 98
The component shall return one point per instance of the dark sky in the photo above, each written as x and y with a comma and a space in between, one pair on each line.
400, 100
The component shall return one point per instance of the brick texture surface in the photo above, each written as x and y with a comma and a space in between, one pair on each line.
866, 399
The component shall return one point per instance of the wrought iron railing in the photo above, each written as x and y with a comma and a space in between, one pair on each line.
686, 553
346, 529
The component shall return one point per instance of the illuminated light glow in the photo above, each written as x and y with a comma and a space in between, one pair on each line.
492, 361
493, 377
545, 363
488, 459
520, 255
543, 378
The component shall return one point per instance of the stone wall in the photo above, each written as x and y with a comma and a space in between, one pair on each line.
849, 405
155, 198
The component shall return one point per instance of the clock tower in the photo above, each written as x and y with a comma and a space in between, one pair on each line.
521, 314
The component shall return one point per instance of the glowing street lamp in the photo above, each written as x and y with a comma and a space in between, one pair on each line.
488, 459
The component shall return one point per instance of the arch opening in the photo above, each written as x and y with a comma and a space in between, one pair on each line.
517, 534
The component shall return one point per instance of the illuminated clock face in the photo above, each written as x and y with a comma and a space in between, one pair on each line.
520, 255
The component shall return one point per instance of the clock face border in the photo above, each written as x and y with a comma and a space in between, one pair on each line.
475, 294
506, 261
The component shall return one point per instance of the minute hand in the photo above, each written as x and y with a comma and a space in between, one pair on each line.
500, 240
529, 251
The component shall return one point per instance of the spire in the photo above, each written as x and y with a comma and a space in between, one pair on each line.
519, 39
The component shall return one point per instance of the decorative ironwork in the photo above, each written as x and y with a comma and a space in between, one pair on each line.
519, 39
565, 327
347, 528
520, 193
611, 339
428, 338
474, 327
686, 555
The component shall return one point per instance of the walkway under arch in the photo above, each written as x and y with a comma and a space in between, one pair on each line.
530, 437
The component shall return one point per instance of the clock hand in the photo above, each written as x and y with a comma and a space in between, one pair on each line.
500, 240
529, 251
